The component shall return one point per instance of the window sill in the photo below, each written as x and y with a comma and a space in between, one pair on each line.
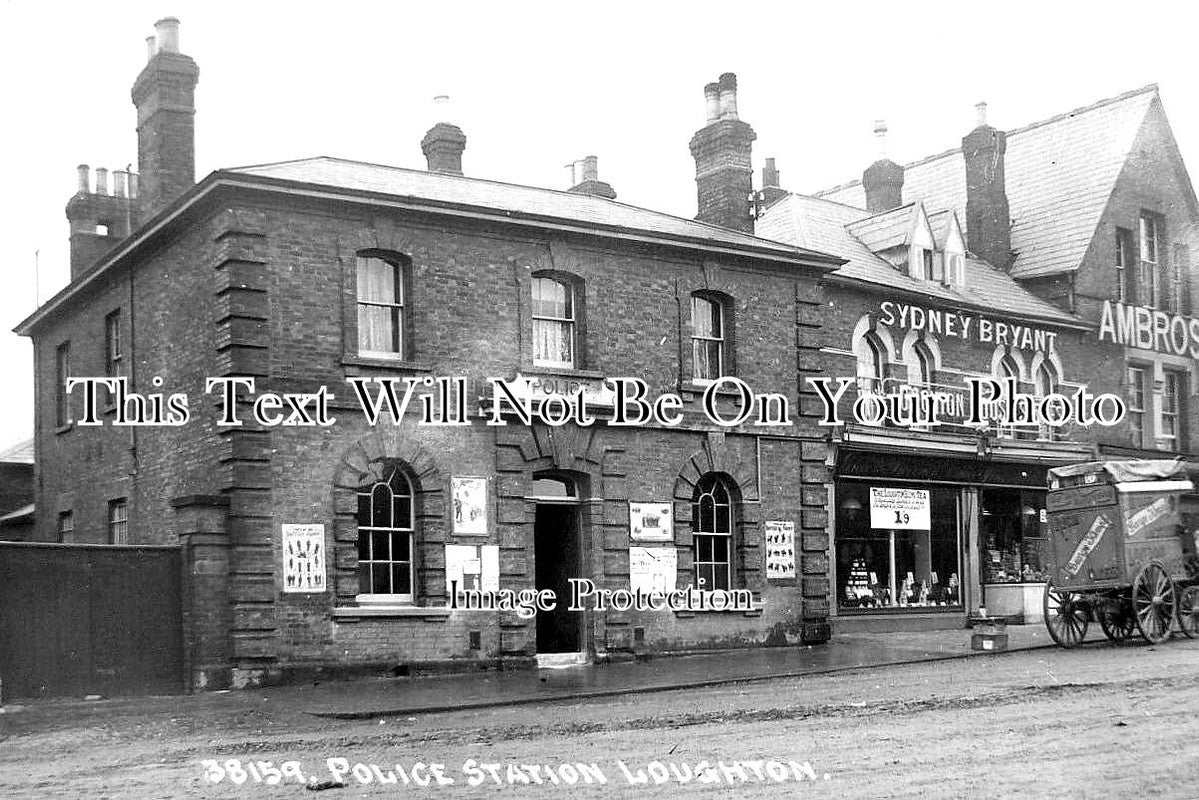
396, 364
562, 372
701, 386
353, 613
66, 426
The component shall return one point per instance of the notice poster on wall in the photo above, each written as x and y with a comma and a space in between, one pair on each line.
475, 567
303, 558
468, 498
653, 568
780, 550
650, 522
899, 509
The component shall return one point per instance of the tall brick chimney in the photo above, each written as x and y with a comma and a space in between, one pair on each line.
988, 219
164, 94
585, 177
444, 143
100, 219
723, 173
882, 180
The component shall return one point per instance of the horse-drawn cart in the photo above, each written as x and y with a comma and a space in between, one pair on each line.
1117, 553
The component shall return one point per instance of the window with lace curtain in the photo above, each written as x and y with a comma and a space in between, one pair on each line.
381, 305
554, 323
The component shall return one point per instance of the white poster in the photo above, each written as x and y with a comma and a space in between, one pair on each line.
475, 567
303, 558
468, 497
653, 568
651, 522
780, 550
899, 509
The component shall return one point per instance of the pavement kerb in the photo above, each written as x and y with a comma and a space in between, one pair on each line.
588, 694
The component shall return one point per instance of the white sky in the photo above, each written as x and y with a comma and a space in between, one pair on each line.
537, 85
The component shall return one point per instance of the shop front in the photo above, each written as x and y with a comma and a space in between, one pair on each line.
928, 532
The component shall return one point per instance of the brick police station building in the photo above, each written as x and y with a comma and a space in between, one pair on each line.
314, 549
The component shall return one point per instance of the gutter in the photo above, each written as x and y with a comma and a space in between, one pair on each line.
219, 180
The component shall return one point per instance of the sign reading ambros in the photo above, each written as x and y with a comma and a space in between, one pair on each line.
1149, 329
899, 509
965, 326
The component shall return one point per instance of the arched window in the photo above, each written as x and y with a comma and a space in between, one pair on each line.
709, 338
712, 515
385, 538
926, 366
1008, 368
1046, 384
554, 323
872, 363
381, 310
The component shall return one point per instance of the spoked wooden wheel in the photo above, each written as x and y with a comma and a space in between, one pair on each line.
1153, 602
1188, 612
1065, 616
1115, 618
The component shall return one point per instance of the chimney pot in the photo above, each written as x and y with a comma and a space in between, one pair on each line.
712, 99
85, 178
120, 183
981, 109
770, 175
591, 168
166, 31
880, 133
133, 185
151, 47
101, 180
728, 96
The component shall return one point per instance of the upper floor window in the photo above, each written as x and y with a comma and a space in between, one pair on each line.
1047, 383
114, 361
66, 527
955, 269
1123, 263
1136, 404
928, 264
386, 539
712, 516
1172, 399
872, 363
1149, 261
1008, 368
381, 309
62, 371
554, 323
925, 365
1179, 285
707, 337
118, 521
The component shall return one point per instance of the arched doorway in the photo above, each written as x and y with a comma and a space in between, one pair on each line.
557, 553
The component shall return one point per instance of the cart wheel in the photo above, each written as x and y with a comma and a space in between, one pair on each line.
1115, 617
1188, 612
1065, 616
1153, 602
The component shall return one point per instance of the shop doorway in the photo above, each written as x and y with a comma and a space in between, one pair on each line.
557, 555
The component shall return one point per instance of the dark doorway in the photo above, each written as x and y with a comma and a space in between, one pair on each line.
556, 553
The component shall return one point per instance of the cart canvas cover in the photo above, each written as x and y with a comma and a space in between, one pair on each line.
1108, 519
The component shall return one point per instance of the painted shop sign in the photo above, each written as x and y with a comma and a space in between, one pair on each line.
900, 509
1149, 329
303, 558
960, 325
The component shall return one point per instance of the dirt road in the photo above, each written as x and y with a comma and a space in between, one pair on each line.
1098, 722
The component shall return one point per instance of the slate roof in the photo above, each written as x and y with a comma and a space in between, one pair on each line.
457, 190
826, 225
886, 230
19, 453
1060, 173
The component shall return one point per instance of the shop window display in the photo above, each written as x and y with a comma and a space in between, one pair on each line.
1011, 534
885, 568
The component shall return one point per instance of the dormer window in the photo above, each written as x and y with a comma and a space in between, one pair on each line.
928, 261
